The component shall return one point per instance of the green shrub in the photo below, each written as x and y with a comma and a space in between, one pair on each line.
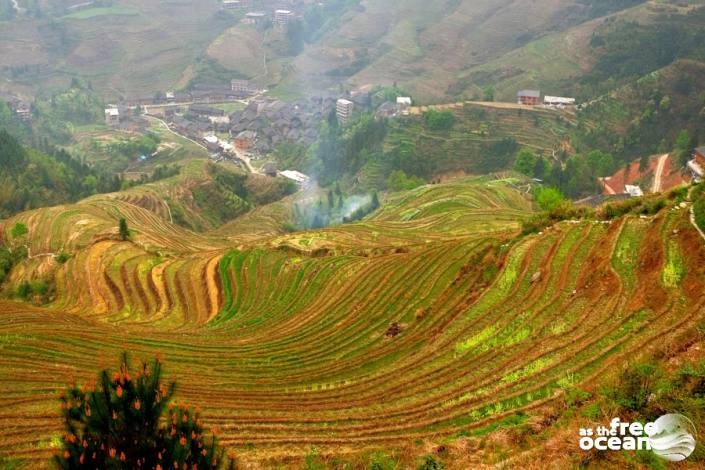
400, 181
430, 463
699, 210
62, 258
548, 199
19, 230
635, 386
439, 120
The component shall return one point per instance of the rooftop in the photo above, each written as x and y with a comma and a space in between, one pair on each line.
295, 176
530, 93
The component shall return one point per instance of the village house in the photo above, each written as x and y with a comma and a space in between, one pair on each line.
297, 177
344, 110
207, 111
245, 140
404, 103
22, 110
697, 164
558, 101
112, 116
529, 97
232, 5
255, 18
270, 169
633, 190
282, 17
386, 110
241, 87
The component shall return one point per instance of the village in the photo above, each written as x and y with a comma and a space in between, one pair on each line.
239, 123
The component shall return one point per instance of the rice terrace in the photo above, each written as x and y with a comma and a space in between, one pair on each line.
428, 321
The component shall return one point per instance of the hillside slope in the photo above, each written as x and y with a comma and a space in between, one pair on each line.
425, 322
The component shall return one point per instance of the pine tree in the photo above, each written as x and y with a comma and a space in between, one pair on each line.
117, 424
124, 231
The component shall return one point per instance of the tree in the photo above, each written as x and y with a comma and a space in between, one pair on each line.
118, 424
548, 199
683, 147
488, 93
439, 120
526, 162
124, 230
375, 201
19, 230
400, 181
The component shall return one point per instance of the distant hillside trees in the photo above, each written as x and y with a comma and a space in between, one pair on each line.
629, 50
344, 150
526, 163
31, 179
439, 120
127, 420
400, 181
684, 147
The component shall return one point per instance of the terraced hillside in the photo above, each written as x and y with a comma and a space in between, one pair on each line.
427, 321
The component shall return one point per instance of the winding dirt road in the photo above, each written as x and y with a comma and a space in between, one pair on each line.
656, 187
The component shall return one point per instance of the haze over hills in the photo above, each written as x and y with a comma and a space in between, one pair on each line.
140, 47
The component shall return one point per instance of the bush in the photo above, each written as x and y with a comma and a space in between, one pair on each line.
118, 424
635, 386
400, 181
548, 199
430, 463
439, 120
699, 210
62, 258
19, 230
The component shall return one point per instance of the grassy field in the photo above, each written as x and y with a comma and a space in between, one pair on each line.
116, 10
284, 340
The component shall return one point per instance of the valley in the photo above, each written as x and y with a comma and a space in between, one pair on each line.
488, 325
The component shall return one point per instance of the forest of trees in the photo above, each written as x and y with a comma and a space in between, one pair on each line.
31, 179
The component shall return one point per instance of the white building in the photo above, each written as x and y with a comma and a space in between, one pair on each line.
696, 170
344, 109
633, 191
240, 86
112, 117
298, 177
404, 103
282, 17
232, 4
558, 101
255, 17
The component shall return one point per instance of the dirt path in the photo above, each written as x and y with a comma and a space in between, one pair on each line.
163, 123
658, 174
416, 110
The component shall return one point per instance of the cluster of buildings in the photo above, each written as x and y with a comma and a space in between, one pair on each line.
22, 109
264, 124
238, 89
533, 98
280, 17
388, 109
